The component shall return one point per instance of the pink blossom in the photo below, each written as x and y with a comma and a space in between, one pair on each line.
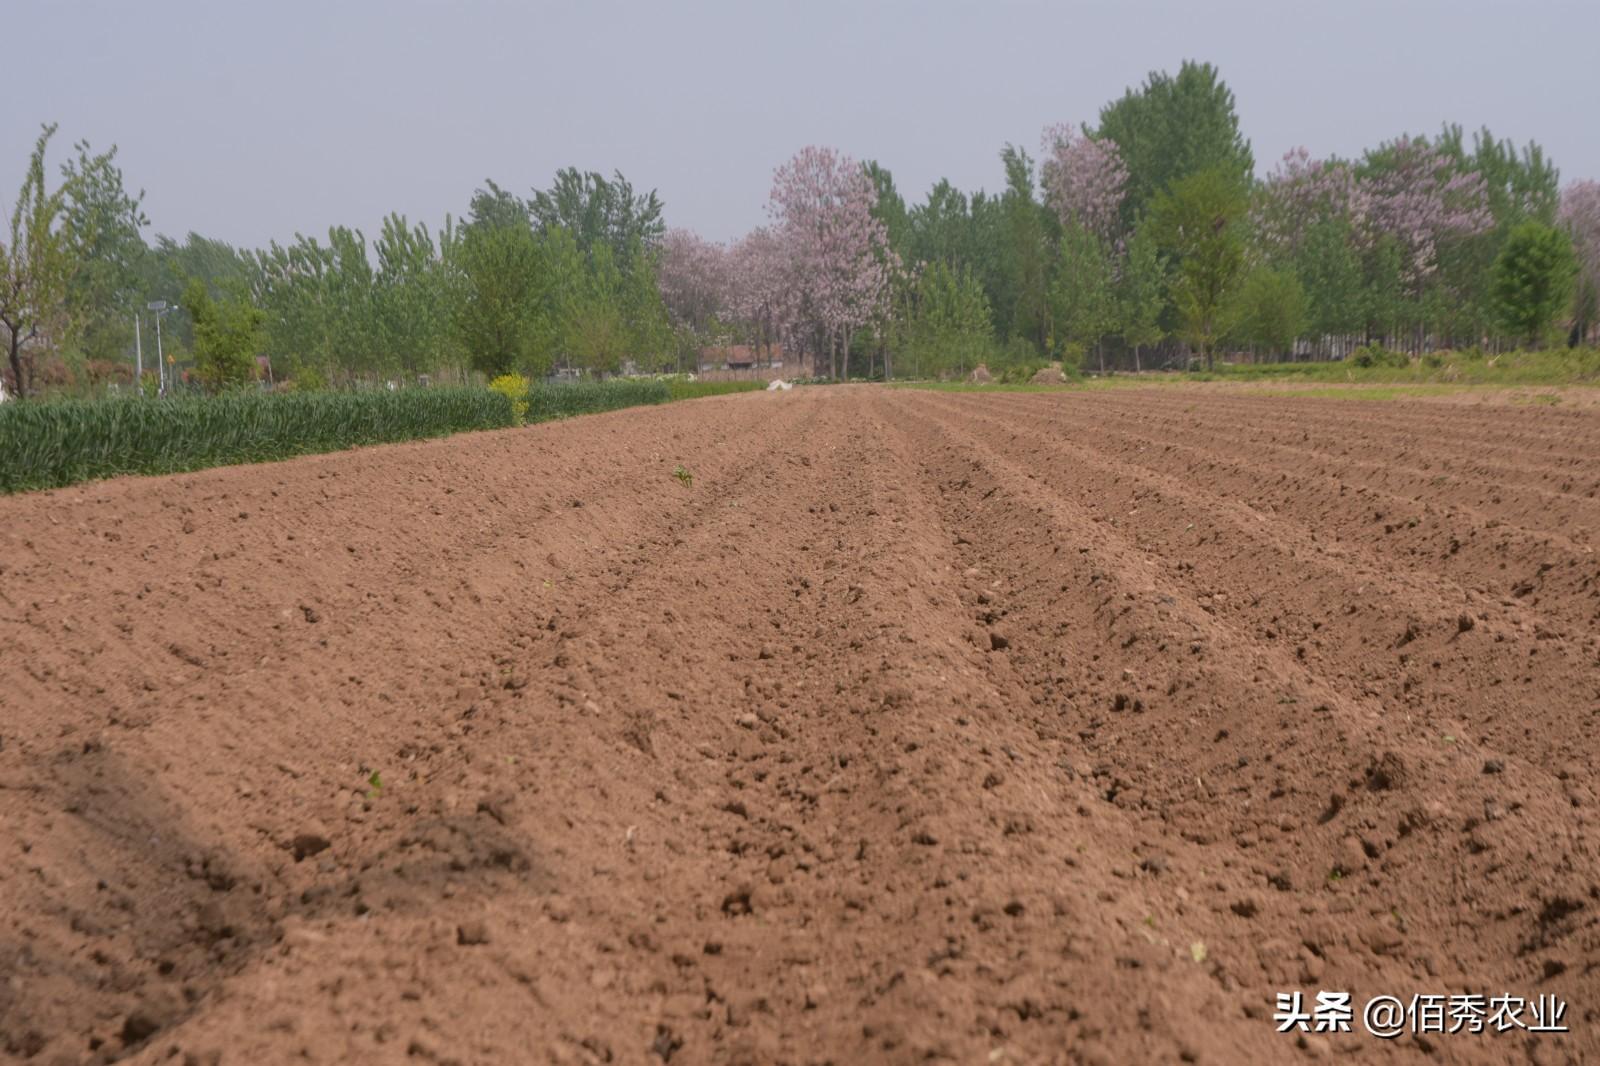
1580, 214
838, 256
695, 277
1084, 180
1418, 197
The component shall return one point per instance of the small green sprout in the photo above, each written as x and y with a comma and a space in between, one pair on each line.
684, 477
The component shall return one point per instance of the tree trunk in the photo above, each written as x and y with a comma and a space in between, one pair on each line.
1136, 367
16, 363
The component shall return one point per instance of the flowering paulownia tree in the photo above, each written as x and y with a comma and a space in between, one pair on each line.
1415, 194
762, 293
696, 279
1084, 180
1406, 190
1580, 215
1300, 192
821, 208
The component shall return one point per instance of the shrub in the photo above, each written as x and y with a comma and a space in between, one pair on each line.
1020, 373
513, 387
305, 379
1371, 355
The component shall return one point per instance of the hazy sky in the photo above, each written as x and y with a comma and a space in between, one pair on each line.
252, 121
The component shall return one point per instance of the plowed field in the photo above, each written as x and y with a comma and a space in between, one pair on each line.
919, 727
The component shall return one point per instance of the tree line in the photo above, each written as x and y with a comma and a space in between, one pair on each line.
562, 278
1147, 236
1143, 239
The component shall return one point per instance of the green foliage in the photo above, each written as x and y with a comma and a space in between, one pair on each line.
1269, 311
685, 478
1141, 291
680, 389
1533, 280
505, 314
101, 226
34, 268
1375, 365
599, 213
1329, 270
45, 445
1376, 355
890, 208
564, 399
308, 379
1082, 298
1200, 223
60, 442
597, 329
1522, 184
1026, 228
1174, 127
228, 334
950, 329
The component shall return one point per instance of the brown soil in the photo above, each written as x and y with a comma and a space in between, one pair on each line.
920, 727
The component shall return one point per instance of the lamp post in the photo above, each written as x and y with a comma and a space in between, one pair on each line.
160, 308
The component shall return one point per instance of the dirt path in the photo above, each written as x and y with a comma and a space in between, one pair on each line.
920, 727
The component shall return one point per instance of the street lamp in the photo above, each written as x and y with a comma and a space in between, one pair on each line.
160, 308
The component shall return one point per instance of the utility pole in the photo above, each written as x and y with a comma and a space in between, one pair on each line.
138, 354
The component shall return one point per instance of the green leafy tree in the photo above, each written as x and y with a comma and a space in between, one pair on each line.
101, 228
1141, 292
1533, 280
1027, 225
650, 327
503, 313
1173, 127
493, 206
413, 297
1269, 312
1521, 184
1384, 298
229, 333
598, 334
34, 269
1200, 223
1082, 298
890, 209
322, 305
1329, 268
952, 329
941, 229
599, 211
169, 265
